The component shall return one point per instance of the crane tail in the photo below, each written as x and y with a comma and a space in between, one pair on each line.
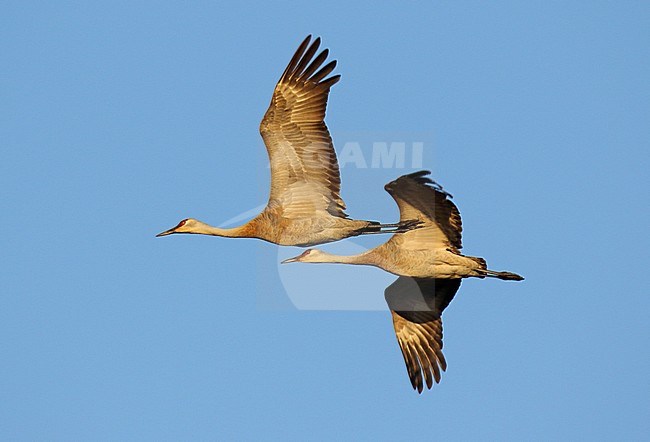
480, 261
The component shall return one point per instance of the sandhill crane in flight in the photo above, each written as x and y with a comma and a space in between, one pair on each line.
430, 251
430, 267
304, 206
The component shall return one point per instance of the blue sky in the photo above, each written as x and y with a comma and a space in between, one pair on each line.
119, 120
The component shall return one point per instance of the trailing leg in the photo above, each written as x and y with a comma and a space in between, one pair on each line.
508, 276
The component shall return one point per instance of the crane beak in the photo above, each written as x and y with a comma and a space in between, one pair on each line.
166, 232
287, 261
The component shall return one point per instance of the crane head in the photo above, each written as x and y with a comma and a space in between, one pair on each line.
185, 226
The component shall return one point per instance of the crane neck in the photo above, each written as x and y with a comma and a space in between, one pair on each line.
206, 229
365, 258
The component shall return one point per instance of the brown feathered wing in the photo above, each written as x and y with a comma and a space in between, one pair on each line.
304, 171
420, 198
416, 306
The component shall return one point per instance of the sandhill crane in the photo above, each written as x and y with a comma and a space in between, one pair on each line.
430, 251
430, 267
304, 206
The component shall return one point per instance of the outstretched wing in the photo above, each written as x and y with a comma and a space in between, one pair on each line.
416, 305
304, 171
420, 198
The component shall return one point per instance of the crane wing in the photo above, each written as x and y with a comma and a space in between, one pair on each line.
420, 198
304, 170
416, 306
